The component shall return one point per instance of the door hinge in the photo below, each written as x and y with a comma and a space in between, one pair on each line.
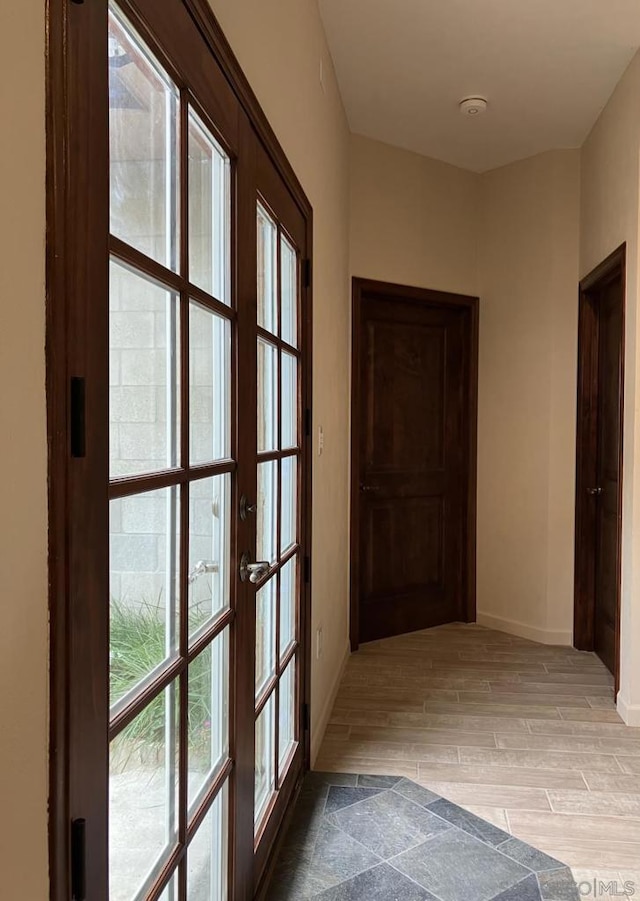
78, 417
307, 422
307, 570
306, 719
78, 860
307, 273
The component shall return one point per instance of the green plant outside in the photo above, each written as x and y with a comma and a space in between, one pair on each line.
137, 645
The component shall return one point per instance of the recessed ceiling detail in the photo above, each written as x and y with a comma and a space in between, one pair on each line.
548, 67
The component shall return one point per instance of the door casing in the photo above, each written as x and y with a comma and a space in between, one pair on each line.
614, 266
361, 290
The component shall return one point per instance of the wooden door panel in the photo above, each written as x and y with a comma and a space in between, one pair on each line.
599, 460
607, 555
412, 426
608, 467
403, 548
401, 360
397, 615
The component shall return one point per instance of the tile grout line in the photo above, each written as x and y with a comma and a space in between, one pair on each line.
382, 860
619, 765
546, 791
496, 848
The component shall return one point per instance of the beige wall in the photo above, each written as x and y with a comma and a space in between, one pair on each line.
23, 457
281, 56
413, 219
610, 208
528, 254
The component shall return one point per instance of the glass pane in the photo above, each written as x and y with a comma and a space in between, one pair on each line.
143, 786
289, 266
288, 535
209, 212
210, 386
267, 272
265, 763
288, 590
209, 530
289, 401
265, 635
144, 586
267, 396
266, 513
287, 717
207, 855
208, 713
144, 372
144, 112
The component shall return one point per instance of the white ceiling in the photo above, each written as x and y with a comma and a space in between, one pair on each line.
547, 68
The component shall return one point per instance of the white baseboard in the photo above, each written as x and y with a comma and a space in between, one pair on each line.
522, 630
630, 713
317, 733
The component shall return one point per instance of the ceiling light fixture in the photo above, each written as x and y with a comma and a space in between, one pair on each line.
473, 106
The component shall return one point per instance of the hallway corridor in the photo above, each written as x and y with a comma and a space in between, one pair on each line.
525, 735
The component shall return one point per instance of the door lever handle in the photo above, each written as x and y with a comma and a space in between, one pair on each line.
369, 488
201, 569
594, 492
252, 572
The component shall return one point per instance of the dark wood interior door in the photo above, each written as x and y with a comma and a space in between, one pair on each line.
607, 497
599, 460
413, 411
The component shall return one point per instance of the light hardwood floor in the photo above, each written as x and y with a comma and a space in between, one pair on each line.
525, 735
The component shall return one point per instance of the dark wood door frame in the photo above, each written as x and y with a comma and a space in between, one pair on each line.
76, 122
587, 450
362, 290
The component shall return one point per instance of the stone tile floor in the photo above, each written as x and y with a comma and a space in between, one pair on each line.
524, 735
386, 838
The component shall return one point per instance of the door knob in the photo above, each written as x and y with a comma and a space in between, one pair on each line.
594, 492
252, 572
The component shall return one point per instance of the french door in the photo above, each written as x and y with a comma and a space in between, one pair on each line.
182, 669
